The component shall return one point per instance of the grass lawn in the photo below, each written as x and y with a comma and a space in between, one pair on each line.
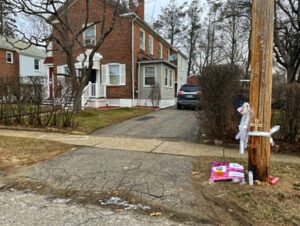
16, 152
92, 119
254, 205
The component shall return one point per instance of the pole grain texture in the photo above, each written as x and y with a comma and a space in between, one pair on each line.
261, 86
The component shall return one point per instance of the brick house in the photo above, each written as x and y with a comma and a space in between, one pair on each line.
20, 64
132, 58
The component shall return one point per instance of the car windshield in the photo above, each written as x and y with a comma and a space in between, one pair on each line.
189, 88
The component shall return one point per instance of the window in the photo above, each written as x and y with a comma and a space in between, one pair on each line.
142, 39
170, 78
150, 45
160, 51
149, 76
114, 74
166, 78
9, 57
168, 54
66, 70
89, 36
36, 64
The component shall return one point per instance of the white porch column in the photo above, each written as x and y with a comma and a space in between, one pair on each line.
98, 83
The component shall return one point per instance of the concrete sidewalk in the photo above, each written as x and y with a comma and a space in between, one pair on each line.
142, 145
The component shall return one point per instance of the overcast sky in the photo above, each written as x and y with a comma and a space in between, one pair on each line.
153, 8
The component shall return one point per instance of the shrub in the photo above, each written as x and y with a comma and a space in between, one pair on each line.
286, 101
219, 85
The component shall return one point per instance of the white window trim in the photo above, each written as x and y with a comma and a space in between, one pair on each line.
160, 46
12, 57
144, 80
143, 47
39, 64
151, 48
83, 33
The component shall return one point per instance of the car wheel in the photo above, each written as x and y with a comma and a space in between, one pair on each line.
179, 106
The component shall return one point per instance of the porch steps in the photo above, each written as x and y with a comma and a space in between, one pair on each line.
96, 103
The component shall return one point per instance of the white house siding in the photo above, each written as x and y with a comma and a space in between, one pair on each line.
27, 67
144, 92
181, 71
167, 93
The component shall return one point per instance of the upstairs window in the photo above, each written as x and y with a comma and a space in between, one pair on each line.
36, 64
9, 57
150, 47
160, 51
142, 39
89, 36
169, 54
149, 76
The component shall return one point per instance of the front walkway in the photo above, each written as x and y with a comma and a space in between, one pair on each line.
143, 145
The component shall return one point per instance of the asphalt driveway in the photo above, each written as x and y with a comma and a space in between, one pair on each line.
167, 124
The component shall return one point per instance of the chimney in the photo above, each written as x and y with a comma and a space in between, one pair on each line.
138, 7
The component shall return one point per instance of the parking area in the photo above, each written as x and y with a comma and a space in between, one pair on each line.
167, 124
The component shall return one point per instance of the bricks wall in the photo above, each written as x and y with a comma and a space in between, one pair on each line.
117, 46
115, 49
8, 69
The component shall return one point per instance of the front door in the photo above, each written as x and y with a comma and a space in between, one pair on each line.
93, 77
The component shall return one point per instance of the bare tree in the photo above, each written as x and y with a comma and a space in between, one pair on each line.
170, 21
192, 34
7, 20
66, 28
287, 36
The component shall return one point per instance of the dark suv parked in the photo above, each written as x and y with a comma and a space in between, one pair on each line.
189, 96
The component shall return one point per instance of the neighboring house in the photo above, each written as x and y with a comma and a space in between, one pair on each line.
193, 80
21, 62
131, 60
182, 66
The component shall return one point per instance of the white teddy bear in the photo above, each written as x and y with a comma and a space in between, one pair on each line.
243, 127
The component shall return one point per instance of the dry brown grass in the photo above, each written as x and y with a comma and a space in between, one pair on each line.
254, 205
17, 152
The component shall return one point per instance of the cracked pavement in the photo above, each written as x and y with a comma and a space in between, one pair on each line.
22, 209
159, 179
156, 179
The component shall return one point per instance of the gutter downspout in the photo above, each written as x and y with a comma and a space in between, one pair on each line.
132, 59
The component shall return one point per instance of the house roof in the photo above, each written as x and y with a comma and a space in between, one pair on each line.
21, 47
157, 62
48, 60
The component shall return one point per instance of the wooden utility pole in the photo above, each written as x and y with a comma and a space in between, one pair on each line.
261, 86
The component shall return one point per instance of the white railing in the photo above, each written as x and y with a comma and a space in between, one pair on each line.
85, 95
92, 90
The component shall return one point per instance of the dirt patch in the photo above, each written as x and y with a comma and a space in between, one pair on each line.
18, 152
253, 205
